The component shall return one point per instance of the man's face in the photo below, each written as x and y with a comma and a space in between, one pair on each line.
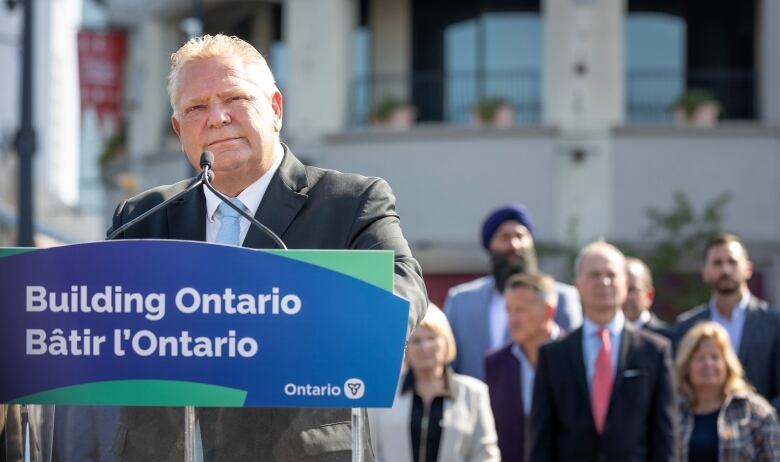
726, 268
640, 295
511, 252
527, 314
222, 108
601, 281
511, 238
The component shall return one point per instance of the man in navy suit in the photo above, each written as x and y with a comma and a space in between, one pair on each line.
605, 392
476, 309
509, 371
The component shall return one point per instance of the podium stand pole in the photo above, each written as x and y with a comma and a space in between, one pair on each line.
25, 414
189, 434
357, 434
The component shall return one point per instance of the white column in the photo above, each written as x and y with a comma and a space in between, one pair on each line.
584, 98
146, 86
769, 68
319, 35
583, 70
391, 42
262, 28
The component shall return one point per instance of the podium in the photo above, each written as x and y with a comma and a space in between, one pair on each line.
122, 324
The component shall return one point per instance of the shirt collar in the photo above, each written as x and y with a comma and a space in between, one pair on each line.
741, 306
253, 194
644, 318
555, 332
614, 326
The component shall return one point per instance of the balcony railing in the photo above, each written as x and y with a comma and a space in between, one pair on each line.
450, 97
652, 93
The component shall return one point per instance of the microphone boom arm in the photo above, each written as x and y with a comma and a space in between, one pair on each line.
207, 174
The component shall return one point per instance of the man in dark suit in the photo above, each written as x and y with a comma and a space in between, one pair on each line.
606, 391
509, 371
640, 297
754, 329
225, 101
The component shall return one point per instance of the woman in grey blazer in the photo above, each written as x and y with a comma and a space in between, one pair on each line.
437, 415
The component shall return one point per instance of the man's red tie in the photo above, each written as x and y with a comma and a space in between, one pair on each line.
602, 381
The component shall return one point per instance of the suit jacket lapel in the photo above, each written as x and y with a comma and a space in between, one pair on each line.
752, 325
187, 217
281, 203
482, 320
577, 362
626, 348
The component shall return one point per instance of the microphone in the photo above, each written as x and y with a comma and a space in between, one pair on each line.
205, 158
206, 161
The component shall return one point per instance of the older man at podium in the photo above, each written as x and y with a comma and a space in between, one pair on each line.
225, 101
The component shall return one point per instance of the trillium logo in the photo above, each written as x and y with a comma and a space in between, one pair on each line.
354, 388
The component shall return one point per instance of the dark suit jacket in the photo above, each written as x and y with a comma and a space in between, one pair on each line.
308, 208
759, 349
502, 375
656, 325
641, 422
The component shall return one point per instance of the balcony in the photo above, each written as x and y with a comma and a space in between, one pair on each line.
450, 97
652, 93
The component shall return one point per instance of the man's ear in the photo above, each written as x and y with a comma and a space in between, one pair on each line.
550, 311
650, 294
277, 104
177, 128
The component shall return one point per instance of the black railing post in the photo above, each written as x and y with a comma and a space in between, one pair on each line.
25, 137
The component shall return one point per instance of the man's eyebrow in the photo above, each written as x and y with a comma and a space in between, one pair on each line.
195, 100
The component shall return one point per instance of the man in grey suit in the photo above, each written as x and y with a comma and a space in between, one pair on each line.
477, 309
225, 101
753, 328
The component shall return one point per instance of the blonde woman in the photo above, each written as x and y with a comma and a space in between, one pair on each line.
722, 418
437, 415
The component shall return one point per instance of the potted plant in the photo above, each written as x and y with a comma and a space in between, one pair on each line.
493, 112
697, 108
393, 113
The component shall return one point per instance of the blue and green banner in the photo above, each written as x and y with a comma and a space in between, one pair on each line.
175, 323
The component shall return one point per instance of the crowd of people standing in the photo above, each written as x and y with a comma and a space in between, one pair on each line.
530, 369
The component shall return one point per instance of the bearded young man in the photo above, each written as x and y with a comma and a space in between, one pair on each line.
477, 309
754, 329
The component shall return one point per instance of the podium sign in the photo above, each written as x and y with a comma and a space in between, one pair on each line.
179, 323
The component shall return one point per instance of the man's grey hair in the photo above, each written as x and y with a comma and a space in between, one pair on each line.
219, 46
598, 246
646, 275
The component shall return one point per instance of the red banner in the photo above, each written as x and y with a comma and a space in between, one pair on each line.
101, 71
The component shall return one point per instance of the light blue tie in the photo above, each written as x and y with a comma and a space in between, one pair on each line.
230, 226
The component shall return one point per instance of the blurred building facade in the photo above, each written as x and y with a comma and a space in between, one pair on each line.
592, 144
65, 183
